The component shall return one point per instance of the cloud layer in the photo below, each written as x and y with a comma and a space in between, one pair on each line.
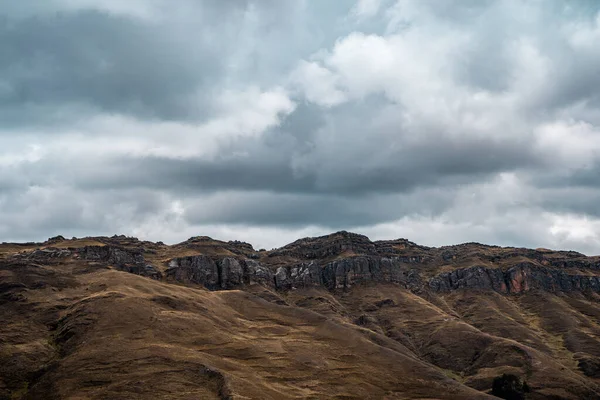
441, 121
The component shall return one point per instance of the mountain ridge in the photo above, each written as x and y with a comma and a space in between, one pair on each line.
339, 260
206, 318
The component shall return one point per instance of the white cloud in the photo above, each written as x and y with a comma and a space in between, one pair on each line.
240, 113
576, 231
319, 85
248, 112
568, 144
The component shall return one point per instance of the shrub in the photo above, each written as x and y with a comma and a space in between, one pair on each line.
509, 387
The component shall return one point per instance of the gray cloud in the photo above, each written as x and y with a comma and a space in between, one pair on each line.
440, 121
110, 63
573, 200
364, 169
75, 62
586, 178
333, 212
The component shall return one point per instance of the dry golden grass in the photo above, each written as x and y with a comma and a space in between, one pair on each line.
131, 337
77, 243
117, 335
78, 330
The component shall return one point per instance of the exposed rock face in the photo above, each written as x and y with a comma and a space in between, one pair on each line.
414, 281
552, 280
46, 254
581, 263
56, 239
255, 272
227, 273
345, 273
306, 274
520, 278
342, 260
281, 278
231, 273
123, 259
224, 273
111, 255
297, 276
473, 278
342, 274
197, 269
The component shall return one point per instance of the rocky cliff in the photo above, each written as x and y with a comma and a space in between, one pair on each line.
342, 260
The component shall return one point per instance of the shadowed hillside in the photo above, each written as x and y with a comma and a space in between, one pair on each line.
333, 317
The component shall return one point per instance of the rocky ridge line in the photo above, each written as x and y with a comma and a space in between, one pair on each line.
342, 260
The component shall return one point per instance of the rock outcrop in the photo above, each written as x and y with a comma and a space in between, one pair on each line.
342, 260
56, 239
121, 258
345, 273
517, 279
111, 255
44, 255
231, 272
223, 273
342, 274
470, 278
201, 270
228, 272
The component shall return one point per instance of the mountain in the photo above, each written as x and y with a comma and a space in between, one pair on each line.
332, 317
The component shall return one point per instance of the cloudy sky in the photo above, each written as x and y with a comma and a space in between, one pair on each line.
442, 121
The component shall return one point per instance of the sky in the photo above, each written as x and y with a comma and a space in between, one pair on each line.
440, 121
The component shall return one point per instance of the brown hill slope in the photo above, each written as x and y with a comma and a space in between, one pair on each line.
336, 317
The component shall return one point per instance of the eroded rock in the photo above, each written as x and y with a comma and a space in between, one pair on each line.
111, 255
231, 273
520, 278
200, 270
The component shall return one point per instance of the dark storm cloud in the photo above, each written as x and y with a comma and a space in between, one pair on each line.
285, 210
196, 175
331, 211
58, 65
586, 177
577, 82
582, 201
93, 59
